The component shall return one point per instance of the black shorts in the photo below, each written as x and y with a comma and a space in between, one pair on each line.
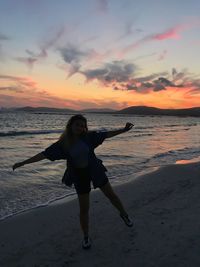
83, 181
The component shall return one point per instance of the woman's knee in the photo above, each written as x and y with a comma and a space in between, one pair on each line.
83, 203
108, 191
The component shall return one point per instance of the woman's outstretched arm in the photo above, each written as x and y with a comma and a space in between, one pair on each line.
119, 131
35, 158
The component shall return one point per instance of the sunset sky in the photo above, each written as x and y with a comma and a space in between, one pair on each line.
99, 53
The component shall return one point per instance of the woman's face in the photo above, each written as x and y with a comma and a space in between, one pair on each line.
78, 126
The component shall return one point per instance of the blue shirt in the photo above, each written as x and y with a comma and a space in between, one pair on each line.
79, 154
92, 140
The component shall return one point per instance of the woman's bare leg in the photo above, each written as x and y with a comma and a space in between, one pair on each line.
114, 199
84, 212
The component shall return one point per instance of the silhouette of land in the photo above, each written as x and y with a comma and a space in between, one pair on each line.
134, 110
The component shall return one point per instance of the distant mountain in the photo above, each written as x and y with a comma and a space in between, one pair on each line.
134, 110
45, 109
144, 110
59, 110
97, 110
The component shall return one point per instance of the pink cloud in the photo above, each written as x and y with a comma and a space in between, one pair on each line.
171, 33
18, 90
24, 81
174, 32
19, 95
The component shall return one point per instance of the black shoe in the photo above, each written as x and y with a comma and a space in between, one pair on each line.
86, 243
127, 220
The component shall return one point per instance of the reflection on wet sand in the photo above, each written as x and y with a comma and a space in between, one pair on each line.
185, 161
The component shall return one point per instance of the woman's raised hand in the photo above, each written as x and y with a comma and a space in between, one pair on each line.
128, 126
17, 165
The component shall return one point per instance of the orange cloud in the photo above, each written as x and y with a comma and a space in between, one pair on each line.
169, 98
181, 90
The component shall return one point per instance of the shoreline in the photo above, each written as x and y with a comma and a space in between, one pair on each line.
72, 196
164, 205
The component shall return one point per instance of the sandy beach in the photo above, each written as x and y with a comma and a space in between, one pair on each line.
165, 208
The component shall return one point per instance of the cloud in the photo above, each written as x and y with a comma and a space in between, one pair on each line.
44, 46
121, 75
150, 77
114, 72
174, 72
195, 92
170, 33
52, 101
24, 81
29, 61
156, 85
145, 56
73, 56
11, 88
102, 5
18, 90
162, 55
4, 37
70, 53
162, 83
147, 84
175, 32
185, 77
165, 82
52, 40
129, 30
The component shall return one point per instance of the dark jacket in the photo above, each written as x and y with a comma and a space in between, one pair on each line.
97, 170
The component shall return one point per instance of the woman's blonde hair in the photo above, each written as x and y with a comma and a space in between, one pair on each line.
66, 137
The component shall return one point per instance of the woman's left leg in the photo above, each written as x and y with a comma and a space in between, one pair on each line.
84, 212
114, 199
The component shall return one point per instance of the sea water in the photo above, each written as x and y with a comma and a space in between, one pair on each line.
153, 141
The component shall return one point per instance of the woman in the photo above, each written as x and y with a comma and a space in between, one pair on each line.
77, 144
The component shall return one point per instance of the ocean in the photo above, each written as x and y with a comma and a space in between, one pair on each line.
154, 141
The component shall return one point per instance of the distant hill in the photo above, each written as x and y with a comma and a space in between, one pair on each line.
144, 110
40, 110
44, 109
97, 110
134, 110
59, 110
